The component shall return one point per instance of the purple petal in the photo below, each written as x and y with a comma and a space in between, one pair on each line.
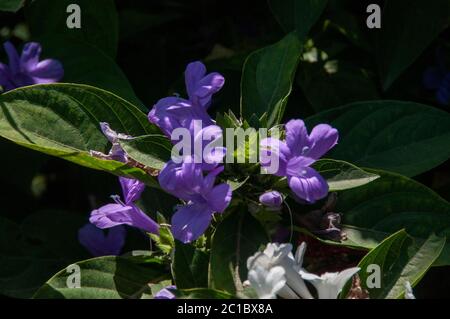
273, 150
160, 116
5, 78
200, 87
13, 57
322, 138
110, 134
165, 293
296, 164
30, 56
194, 72
95, 241
47, 71
297, 137
112, 215
308, 185
443, 94
190, 222
271, 199
131, 188
210, 179
219, 197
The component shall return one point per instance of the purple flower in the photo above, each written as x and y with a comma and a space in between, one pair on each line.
295, 156
100, 244
127, 212
165, 293
271, 199
187, 182
26, 69
173, 112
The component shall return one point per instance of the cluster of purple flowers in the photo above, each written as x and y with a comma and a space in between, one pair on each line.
437, 78
191, 180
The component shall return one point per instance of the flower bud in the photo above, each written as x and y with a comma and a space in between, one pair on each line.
271, 199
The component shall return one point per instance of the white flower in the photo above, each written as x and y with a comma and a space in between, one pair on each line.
329, 285
408, 291
267, 283
281, 255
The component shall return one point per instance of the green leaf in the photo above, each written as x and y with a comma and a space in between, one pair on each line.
11, 5
190, 267
99, 22
394, 202
150, 150
201, 293
403, 137
335, 83
31, 252
63, 120
237, 237
298, 15
85, 64
105, 278
267, 79
408, 28
400, 259
341, 175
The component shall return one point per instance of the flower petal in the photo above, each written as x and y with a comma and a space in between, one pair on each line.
308, 185
95, 241
195, 71
47, 71
13, 57
132, 189
322, 138
30, 56
296, 137
274, 155
5, 78
112, 215
190, 222
219, 197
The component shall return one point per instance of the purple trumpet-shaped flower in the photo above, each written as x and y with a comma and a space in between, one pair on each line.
187, 182
173, 112
124, 213
272, 199
26, 69
295, 156
100, 244
165, 293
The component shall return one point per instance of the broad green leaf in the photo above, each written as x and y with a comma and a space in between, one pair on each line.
408, 27
403, 137
150, 150
335, 83
298, 15
99, 22
201, 293
31, 252
394, 202
105, 278
63, 120
11, 5
190, 267
355, 237
85, 64
237, 237
400, 259
341, 175
267, 79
